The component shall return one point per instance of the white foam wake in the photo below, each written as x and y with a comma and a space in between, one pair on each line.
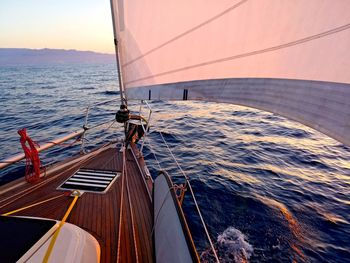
231, 246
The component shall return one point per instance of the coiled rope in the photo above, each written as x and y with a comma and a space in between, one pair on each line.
32, 171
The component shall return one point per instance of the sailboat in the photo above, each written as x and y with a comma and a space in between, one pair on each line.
286, 57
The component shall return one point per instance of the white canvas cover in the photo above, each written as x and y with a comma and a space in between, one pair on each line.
169, 238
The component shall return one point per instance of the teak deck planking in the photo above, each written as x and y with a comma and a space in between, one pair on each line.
95, 212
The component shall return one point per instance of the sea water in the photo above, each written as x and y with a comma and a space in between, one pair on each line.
270, 190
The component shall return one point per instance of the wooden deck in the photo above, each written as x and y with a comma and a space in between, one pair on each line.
99, 214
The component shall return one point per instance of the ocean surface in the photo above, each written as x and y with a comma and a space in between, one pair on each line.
270, 190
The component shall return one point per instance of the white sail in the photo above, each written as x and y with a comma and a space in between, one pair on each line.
287, 57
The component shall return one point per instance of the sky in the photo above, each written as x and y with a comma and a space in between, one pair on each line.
62, 24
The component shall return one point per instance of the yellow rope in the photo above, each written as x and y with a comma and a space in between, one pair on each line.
53, 240
32, 205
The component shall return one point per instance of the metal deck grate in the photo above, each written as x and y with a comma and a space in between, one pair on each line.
88, 180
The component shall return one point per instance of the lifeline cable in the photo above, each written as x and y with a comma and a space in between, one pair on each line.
194, 199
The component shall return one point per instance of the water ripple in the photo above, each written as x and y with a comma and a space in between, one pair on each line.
271, 190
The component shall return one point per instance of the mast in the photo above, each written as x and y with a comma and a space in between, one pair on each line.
117, 55
122, 115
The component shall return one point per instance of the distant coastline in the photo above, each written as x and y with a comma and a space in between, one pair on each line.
25, 56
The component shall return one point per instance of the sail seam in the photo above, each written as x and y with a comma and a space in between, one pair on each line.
248, 54
226, 11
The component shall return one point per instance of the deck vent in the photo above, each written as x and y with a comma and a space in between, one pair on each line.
88, 180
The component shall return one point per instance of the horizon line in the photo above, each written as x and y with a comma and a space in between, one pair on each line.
64, 49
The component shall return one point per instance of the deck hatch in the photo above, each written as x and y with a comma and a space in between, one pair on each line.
97, 181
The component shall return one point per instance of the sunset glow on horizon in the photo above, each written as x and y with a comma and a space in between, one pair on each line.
78, 24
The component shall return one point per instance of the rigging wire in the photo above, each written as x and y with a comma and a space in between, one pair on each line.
125, 182
104, 131
231, 8
153, 152
75, 166
63, 112
101, 124
131, 210
121, 206
177, 163
249, 54
193, 197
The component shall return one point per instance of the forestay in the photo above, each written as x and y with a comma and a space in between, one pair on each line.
287, 57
